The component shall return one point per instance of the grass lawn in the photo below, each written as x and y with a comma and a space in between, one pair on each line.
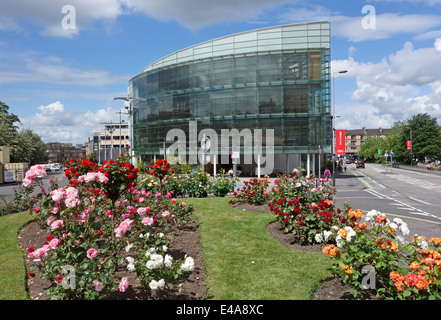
244, 262
12, 266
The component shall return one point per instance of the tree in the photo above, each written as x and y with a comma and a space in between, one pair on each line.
25, 146
8, 125
426, 138
28, 147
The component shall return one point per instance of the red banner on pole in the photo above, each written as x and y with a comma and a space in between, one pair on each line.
409, 144
340, 141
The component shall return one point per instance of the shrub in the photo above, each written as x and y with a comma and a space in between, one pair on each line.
254, 192
402, 270
94, 228
222, 184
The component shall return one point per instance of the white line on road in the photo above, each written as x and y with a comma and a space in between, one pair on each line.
418, 200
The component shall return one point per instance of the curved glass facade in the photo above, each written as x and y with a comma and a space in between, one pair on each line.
273, 78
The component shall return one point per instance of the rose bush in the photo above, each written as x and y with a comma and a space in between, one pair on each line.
254, 192
95, 222
403, 270
303, 205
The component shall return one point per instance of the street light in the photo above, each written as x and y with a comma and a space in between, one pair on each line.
130, 113
333, 124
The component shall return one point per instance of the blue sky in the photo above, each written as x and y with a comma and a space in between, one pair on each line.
61, 82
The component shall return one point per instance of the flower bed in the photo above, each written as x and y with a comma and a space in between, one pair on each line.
102, 221
369, 255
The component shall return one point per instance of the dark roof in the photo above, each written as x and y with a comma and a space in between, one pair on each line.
369, 132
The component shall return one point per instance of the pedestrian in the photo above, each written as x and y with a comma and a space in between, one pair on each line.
231, 173
327, 173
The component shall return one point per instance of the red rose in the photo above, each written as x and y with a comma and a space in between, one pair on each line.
31, 249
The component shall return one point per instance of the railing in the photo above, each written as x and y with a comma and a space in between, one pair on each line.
418, 168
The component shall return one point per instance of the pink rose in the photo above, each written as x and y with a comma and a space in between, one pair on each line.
57, 224
54, 243
147, 221
141, 211
91, 253
71, 202
71, 192
59, 278
97, 285
124, 284
27, 182
184, 204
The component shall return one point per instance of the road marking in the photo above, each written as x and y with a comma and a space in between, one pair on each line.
407, 217
418, 200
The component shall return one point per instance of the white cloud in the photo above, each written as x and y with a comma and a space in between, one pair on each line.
368, 25
56, 123
48, 15
195, 14
32, 67
192, 14
393, 89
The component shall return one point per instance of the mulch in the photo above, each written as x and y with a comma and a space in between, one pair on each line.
185, 241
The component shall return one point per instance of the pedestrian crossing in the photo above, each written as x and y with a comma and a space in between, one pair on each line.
422, 183
399, 205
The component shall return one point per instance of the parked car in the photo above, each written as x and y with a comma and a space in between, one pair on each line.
360, 164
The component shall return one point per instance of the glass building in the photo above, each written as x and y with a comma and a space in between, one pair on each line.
271, 78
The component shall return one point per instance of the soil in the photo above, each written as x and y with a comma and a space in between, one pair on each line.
185, 241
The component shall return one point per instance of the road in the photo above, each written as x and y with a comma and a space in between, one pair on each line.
409, 195
7, 189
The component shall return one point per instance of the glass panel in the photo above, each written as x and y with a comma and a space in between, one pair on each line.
314, 65
270, 100
296, 132
295, 66
245, 70
269, 68
201, 76
295, 99
245, 37
268, 42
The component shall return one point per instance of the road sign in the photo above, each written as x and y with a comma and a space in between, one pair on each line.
391, 154
320, 150
235, 155
205, 143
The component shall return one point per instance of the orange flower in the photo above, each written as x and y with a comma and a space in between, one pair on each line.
414, 266
343, 233
348, 269
395, 276
334, 252
380, 219
421, 283
435, 240
390, 230
357, 214
362, 226
326, 249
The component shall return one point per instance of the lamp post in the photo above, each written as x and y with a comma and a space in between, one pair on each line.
130, 113
333, 124
120, 125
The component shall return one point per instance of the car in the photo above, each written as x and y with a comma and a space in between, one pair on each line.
360, 164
